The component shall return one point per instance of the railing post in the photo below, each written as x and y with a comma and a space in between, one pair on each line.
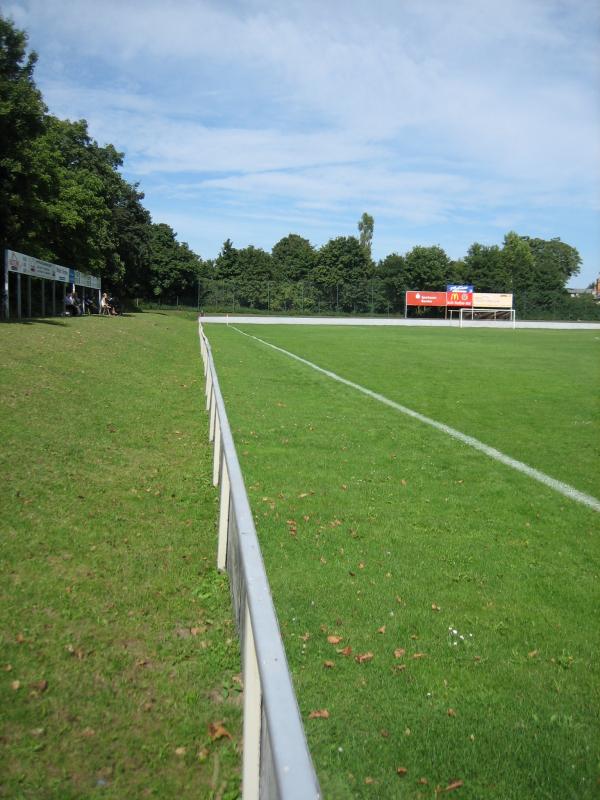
208, 388
212, 417
217, 452
223, 517
252, 715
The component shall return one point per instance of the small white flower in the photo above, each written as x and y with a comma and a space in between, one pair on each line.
454, 631
454, 643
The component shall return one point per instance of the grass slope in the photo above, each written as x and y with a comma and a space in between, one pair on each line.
388, 536
118, 648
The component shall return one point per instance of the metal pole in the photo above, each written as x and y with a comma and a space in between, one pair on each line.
43, 297
53, 298
5, 300
19, 298
29, 296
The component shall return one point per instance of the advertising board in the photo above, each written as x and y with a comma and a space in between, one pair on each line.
28, 265
426, 298
457, 299
492, 300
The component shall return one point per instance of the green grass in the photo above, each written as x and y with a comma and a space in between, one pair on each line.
118, 646
387, 533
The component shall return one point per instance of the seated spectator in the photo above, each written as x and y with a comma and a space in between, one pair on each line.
105, 305
72, 306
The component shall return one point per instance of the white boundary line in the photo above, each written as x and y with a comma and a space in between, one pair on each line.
558, 486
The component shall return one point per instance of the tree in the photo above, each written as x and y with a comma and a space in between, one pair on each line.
21, 122
517, 261
486, 269
392, 272
292, 258
226, 264
254, 265
366, 225
427, 268
174, 268
341, 273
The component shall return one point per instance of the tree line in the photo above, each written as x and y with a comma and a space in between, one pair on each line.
64, 199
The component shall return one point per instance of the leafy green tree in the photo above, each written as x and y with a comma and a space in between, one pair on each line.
226, 263
292, 258
486, 269
341, 273
21, 122
366, 225
555, 263
427, 268
254, 265
394, 277
174, 268
517, 261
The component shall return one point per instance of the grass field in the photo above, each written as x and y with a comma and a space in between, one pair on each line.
119, 663
442, 607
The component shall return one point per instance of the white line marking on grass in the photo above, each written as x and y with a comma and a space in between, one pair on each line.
558, 486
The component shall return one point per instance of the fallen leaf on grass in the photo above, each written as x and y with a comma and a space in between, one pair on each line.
369, 780
328, 664
320, 713
419, 655
305, 636
451, 712
39, 686
451, 786
435, 607
88, 733
180, 751
216, 730
75, 651
15, 685
384, 733
362, 657
345, 651
334, 639
423, 781
20, 638
533, 654
381, 630
401, 771
399, 652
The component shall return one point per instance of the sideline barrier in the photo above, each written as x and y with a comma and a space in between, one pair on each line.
276, 762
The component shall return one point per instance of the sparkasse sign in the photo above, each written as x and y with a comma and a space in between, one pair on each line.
426, 298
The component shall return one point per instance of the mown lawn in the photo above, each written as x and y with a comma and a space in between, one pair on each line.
119, 664
441, 607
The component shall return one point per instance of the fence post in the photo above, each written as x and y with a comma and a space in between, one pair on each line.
208, 388
252, 715
217, 452
212, 417
223, 517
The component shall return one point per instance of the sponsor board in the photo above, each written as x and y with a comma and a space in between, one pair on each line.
28, 265
460, 287
426, 298
457, 299
492, 300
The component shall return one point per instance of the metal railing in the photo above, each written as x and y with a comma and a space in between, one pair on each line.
276, 762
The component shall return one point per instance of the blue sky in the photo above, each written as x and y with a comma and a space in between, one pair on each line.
448, 122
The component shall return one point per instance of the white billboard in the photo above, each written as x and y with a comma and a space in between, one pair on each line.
28, 265
492, 300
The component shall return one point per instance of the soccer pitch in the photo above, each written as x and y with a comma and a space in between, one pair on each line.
439, 604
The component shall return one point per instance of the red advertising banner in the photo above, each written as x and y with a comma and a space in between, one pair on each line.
426, 298
459, 299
